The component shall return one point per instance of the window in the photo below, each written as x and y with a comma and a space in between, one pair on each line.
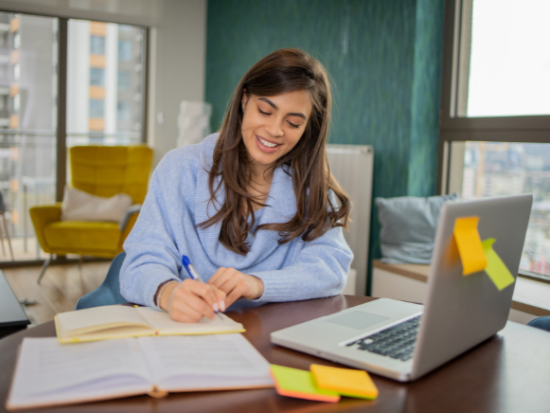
495, 123
97, 45
124, 80
124, 110
125, 50
94, 113
97, 76
16, 41
16, 103
509, 74
97, 108
16, 71
28, 108
33, 156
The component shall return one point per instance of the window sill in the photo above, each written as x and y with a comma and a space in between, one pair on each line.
530, 295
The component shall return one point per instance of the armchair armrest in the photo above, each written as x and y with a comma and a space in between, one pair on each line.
128, 222
41, 216
130, 213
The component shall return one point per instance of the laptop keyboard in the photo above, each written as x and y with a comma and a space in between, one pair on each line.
396, 342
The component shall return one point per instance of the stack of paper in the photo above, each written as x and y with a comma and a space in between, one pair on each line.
193, 122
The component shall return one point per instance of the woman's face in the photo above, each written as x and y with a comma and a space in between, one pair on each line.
273, 125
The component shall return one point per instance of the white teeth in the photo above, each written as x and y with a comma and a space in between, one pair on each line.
266, 143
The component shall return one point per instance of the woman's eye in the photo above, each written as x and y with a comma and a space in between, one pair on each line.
262, 112
293, 125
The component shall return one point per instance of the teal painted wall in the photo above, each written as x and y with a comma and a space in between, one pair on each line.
384, 57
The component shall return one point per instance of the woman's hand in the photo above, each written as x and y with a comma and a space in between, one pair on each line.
235, 284
191, 300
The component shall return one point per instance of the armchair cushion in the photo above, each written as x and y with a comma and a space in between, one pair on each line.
75, 236
82, 206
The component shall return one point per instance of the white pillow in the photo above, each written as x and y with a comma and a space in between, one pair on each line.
82, 206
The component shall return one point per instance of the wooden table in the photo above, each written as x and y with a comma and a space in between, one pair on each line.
508, 373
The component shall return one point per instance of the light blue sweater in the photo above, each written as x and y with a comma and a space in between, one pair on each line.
166, 229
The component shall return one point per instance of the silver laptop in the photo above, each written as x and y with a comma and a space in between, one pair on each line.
404, 341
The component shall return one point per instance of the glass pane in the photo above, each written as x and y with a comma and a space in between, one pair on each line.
509, 70
105, 83
487, 169
28, 112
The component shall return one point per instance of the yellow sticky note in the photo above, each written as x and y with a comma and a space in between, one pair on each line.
348, 382
300, 383
496, 269
469, 245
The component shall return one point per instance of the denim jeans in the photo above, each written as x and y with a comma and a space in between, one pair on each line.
540, 322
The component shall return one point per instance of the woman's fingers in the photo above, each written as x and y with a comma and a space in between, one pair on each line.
236, 284
184, 313
220, 276
221, 297
193, 300
236, 293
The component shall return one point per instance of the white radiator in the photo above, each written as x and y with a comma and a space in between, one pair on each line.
352, 167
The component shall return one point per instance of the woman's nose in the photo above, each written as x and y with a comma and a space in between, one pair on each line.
275, 127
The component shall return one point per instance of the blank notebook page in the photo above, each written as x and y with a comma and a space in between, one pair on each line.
202, 362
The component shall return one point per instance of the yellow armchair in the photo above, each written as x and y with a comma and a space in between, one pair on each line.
102, 171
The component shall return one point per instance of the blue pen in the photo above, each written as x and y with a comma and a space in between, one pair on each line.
194, 275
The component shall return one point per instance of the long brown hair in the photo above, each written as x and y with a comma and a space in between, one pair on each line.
282, 71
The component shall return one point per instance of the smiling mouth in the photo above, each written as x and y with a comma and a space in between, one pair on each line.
267, 144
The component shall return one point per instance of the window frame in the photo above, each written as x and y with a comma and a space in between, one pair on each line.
452, 128
61, 120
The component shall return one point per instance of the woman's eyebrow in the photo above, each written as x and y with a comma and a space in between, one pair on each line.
274, 106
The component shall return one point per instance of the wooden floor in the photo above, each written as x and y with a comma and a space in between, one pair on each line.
58, 291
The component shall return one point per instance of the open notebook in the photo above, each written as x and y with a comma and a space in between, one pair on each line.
117, 321
49, 373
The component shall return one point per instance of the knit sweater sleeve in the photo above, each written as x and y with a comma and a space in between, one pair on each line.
319, 270
152, 256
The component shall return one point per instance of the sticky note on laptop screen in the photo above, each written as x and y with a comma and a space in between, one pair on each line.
469, 245
347, 382
300, 384
496, 269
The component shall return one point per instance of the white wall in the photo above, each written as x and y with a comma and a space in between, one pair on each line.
177, 72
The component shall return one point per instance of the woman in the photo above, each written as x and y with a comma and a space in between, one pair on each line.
254, 207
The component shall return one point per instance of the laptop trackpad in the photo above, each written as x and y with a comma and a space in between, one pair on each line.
357, 319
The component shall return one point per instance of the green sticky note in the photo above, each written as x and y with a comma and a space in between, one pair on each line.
300, 383
496, 269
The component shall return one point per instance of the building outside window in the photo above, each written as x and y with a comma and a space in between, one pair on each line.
124, 80
125, 50
97, 45
97, 108
112, 81
97, 76
495, 128
124, 111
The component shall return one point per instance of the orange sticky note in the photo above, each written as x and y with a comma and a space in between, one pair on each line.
469, 245
300, 384
496, 269
347, 382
